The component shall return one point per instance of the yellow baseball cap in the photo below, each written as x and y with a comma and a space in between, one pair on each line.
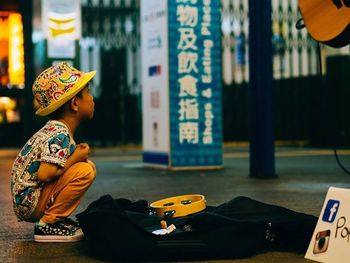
58, 84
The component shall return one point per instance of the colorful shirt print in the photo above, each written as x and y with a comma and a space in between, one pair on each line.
52, 144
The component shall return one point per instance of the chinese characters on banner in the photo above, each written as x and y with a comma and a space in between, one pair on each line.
195, 83
181, 83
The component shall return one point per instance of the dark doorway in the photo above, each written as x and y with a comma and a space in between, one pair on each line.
107, 127
117, 118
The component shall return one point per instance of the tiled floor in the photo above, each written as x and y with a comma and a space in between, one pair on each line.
304, 176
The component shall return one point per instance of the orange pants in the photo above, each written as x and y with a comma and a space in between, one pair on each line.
58, 199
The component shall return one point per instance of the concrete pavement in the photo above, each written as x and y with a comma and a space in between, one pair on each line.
304, 176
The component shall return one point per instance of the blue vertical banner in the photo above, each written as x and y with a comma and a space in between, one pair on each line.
195, 83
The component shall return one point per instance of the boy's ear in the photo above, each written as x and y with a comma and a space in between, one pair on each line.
74, 104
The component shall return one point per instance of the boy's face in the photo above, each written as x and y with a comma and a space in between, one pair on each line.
86, 103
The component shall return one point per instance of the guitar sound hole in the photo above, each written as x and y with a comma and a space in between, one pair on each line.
168, 204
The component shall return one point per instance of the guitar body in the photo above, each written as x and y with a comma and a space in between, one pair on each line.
327, 21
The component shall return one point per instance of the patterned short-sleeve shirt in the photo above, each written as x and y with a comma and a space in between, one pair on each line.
52, 144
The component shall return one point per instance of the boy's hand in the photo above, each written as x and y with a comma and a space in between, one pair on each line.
48, 171
82, 152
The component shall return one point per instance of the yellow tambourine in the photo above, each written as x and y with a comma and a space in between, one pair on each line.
178, 206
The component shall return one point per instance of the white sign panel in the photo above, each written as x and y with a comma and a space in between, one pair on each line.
155, 93
330, 242
62, 26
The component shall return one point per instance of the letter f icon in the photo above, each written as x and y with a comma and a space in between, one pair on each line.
331, 211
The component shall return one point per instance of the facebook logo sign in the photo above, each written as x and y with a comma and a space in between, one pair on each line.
331, 211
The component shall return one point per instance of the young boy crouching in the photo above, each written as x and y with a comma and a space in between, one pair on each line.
51, 173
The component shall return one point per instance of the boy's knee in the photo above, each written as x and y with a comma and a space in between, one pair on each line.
92, 165
86, 170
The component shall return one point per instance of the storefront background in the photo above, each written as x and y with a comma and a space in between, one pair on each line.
308, 109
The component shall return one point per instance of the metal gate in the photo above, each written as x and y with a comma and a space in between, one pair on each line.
110, 45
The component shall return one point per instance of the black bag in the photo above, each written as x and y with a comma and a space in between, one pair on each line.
118, 229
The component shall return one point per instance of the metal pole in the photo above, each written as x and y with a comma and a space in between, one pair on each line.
262, 162
28, 120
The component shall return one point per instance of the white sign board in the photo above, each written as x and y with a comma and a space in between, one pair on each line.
330, 241
181, 84
62, 27
155, 87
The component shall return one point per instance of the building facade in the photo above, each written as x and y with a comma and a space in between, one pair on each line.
308, 106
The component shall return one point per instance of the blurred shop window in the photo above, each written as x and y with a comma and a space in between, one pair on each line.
4, 76
9, 110
11, 51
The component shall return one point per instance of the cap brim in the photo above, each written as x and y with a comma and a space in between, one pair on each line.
66, 97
